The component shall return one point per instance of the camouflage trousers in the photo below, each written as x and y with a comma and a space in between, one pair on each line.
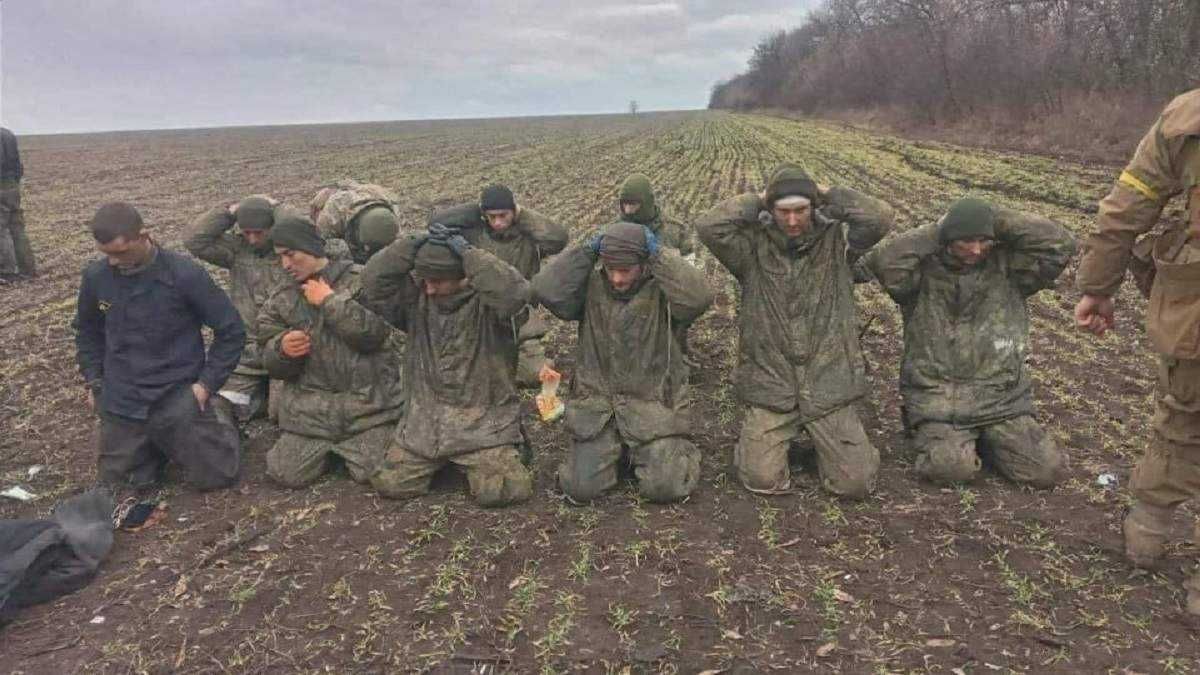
531, 350
204, 443
496, 475
16, 254
667, 469
847, 462
247, 393
1018, 448
1169, 473
296, 461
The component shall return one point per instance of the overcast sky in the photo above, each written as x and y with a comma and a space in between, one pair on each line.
84, 65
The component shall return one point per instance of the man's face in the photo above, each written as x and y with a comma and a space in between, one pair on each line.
256, 238
126, 253
299, 264
622, 277
795, 221
630, 207
971, 251
500, 219
442, 288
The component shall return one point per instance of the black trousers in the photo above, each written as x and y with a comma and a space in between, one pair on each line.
204, 443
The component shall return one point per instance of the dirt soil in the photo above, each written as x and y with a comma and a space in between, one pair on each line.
985, 577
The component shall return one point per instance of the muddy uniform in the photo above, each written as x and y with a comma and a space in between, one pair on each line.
531, 238
630, 387
966, 335
140, 348
799, 366
344, 397
336, 212
1166, 164
463, 406
253, 273
16, 255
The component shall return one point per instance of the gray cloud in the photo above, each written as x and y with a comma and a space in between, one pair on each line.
136, 64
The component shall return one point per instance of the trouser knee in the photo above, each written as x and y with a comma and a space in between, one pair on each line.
667, 469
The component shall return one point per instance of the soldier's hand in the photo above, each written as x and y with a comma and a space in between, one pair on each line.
1095, 314
201, 394
232, 209
316, 291
295, 344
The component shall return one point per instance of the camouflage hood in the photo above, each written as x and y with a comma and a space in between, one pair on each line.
637, 188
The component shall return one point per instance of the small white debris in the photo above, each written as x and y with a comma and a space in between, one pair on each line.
34, 470
18, 493
1107, 479
97, 620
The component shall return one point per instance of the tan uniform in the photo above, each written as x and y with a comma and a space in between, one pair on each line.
1167, 163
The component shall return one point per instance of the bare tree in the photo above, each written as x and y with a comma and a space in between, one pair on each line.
633, 107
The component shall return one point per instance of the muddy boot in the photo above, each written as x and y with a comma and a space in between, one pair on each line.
1146, 529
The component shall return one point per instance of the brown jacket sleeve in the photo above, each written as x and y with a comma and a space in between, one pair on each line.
1137, 199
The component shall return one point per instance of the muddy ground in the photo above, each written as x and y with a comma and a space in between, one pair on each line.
985, 577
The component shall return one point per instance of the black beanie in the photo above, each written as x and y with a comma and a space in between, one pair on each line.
298, 233
436, 261
496, 197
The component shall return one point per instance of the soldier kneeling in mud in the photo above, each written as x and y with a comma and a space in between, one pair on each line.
630, 389
456, 302
800, 366
340, 366
962, 285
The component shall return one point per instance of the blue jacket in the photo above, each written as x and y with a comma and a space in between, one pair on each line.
139, 335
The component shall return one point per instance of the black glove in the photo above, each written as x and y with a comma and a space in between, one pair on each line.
457, 243
441, 233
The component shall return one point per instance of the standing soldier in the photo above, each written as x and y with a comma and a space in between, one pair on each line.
456, 303
961, 285
16, 255
140, 348
364, 215
254, 271
1167, 163
637, 204
800, 365
341, 393
630, 392
521, 237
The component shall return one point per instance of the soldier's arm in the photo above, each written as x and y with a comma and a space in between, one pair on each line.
561, 286
1131, 208
896, 263
549, 236
686, 237
209, 239
89, 334
268, 331
1041, 248
388, 288
867, 219
364, 330
725, 230
686, 288
499, 285
215, 310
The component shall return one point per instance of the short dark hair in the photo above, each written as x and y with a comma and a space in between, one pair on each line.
115, 219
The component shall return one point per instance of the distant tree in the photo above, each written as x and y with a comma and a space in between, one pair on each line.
633, 107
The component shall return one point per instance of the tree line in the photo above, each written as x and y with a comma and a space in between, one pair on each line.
944, 60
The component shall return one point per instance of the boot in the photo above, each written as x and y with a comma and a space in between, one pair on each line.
1146, 529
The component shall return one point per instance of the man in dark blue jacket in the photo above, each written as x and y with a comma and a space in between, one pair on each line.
141, 352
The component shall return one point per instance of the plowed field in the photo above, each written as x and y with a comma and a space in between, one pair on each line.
333, 578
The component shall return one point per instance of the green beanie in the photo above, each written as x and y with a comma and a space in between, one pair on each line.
437, 261
637, 188
255, 213
377, 227
790, 180
968, 218
298, 233
623, 243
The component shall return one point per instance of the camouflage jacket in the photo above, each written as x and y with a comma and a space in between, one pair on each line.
1166, 163
253, 273
523, 245
335, 217
462, 351
629, 362
966, 329
350, 381
798, 336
